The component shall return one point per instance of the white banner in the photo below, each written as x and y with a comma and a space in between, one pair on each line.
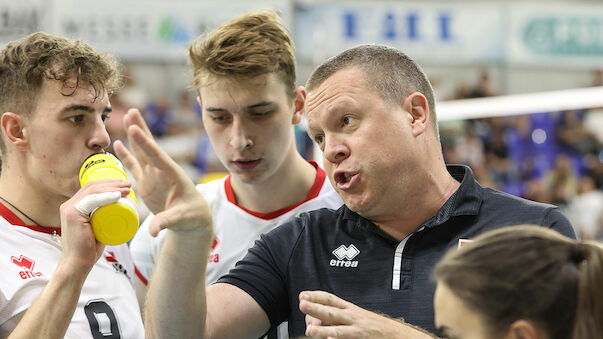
560, 34
556, 35
148, 30
438, 32
19, 18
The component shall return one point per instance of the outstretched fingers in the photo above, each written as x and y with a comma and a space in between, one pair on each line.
329, 332
128, 159
134, 118
324, 298
134, 124
324, 306
146, 149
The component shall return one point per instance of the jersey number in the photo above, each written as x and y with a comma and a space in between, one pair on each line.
101, 318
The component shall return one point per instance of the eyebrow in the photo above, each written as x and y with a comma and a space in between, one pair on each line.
260, 104
250, 107
84, 108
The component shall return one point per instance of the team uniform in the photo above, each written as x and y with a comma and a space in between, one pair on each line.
107, 306
345, 254
235, 227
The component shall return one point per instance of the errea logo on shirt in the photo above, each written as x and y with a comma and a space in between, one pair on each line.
344, 256
27, 264
213, 256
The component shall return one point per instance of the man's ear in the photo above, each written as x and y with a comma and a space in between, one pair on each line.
523, 329
417, 107
299, 104
14, 130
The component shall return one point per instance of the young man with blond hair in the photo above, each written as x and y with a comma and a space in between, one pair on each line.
245, 75
57, 280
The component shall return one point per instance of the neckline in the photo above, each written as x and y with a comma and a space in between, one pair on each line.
312, 193
14, 220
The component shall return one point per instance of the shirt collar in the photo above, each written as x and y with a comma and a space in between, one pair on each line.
465, 201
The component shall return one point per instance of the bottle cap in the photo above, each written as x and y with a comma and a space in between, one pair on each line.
116, 223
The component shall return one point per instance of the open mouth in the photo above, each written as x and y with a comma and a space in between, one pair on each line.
343, 178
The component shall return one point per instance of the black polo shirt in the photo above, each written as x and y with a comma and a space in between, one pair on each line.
345, 254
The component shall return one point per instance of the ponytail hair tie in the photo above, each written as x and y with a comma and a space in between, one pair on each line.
577, 252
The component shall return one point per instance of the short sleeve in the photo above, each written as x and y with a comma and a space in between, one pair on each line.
559, 222
262, 273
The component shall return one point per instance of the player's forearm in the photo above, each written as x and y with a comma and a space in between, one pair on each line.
50, 314
412, 331
176, 303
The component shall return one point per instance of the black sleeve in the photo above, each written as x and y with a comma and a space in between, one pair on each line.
262, 273
559, 222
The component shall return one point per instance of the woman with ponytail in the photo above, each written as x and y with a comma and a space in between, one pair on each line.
521, 282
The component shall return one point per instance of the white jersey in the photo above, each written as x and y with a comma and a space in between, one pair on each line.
107, 307
235, 227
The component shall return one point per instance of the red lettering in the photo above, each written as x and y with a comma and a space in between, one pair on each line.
214, 258
29, 274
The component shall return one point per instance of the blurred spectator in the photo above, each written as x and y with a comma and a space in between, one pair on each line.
183, 135
133, 95
186, 118
483, 175
585, 210
593, 120
594, 169
470, 148
501, 168
158, 116
598, 77
483, 87
463, 91
541, 156
572, 134
205, 159
561, 183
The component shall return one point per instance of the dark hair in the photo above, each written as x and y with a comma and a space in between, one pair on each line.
26, 63
252, 44
531, 273
391, 73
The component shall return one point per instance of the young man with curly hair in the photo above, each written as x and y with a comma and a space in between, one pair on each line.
57, 280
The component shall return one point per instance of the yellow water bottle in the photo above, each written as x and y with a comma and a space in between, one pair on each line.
116, 223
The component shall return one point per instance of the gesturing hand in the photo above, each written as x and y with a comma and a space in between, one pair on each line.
328, 316
161, 183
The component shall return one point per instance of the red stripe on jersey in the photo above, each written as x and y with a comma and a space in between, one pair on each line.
313, 193
16, 221
140, 276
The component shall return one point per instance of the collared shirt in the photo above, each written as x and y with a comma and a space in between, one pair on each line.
345, 254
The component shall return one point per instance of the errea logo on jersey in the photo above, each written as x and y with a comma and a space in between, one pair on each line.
26, 263
344, 256
213, 256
